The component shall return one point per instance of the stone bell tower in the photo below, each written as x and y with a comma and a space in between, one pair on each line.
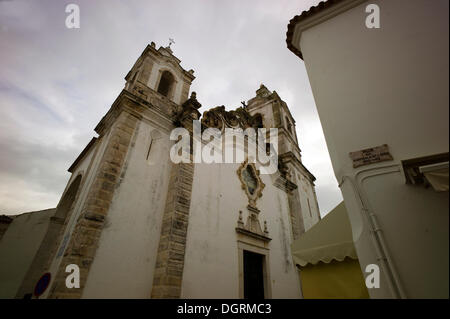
138, 225
130, 215
293, 175
160, 71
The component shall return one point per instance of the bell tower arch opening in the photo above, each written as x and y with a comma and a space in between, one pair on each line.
166, 84
158, 73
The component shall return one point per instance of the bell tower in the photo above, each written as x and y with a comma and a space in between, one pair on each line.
158, 71
293, 177
131, 190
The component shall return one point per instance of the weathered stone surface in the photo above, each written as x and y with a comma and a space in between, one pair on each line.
85, 237
169, 264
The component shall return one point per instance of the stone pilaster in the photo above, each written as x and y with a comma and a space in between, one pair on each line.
146, 71
185, 91
169, 265
295, 212
172, 244
85, 237
295, 208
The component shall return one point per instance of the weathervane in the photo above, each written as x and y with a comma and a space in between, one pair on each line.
171, 41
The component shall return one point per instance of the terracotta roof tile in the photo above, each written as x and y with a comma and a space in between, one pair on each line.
304, 15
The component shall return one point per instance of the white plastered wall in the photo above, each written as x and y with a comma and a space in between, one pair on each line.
125, 258
18, 247
388, 86
211, 261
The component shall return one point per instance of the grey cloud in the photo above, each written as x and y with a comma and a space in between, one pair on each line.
57, 83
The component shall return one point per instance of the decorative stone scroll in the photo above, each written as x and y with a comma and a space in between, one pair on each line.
219, 118
188, 110
251, 182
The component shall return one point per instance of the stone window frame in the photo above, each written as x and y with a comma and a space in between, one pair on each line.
260, 184
257, 248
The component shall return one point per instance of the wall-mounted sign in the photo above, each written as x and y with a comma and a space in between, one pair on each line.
42, 284
371, 155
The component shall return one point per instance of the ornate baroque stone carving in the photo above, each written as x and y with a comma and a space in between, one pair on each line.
252, 185
251, 182
252, 228
219, 118
188, 109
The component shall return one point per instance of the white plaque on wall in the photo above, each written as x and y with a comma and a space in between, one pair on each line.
371, 155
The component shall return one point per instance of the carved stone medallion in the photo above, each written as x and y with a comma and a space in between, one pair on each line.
250, 181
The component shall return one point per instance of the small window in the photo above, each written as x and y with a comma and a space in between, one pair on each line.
166, 83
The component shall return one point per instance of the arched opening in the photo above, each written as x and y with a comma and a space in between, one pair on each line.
166, 83
51, 240
66, 202
258, 120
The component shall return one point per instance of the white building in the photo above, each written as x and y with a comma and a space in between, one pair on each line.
140, 226
383, 101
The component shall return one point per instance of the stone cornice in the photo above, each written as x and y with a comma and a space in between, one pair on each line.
290, 157
150, 49
82, 155
284, 184
252, 234
148, 107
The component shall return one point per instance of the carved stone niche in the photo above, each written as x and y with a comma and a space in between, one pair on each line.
252, 185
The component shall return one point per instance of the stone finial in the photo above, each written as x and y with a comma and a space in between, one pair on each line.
192, 101
153, 45
240, 220
187, 111
263, 91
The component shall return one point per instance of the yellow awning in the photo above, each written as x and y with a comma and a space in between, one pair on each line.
330, 239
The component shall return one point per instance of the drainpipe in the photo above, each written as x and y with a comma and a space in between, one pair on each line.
377, 237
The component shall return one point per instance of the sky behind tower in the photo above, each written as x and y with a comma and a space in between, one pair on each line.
57, 83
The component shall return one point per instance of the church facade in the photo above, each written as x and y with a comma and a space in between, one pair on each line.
139, 225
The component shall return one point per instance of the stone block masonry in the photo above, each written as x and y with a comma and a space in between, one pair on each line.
168, 274
172, 244
85, 237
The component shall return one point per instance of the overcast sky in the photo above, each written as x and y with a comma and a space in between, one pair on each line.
57, 83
